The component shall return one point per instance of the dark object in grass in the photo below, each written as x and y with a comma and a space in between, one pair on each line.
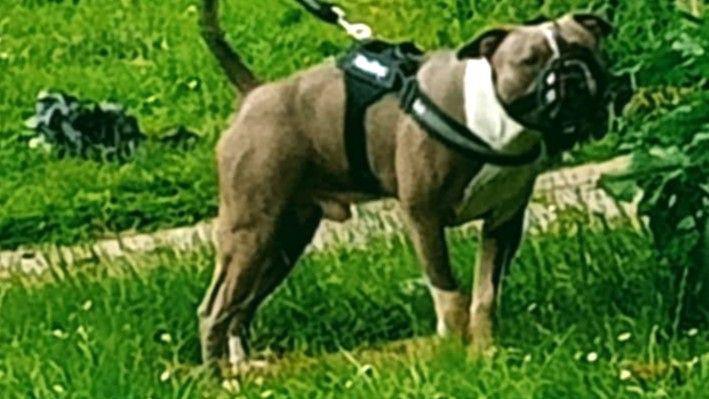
72, 127
99, 131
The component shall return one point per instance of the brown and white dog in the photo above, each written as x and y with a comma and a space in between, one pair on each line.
282, 168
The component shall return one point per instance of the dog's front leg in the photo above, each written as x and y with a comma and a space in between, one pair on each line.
428, 236
498, 245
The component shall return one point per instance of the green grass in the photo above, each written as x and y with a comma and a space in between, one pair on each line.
149, 56
112, 330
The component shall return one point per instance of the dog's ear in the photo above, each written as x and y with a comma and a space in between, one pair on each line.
484, 45
539, 19
594, 24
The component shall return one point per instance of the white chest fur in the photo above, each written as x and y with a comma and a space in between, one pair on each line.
500, 191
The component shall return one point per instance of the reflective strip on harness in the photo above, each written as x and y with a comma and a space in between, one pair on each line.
454, 134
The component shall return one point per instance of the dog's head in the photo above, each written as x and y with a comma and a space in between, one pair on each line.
549, 75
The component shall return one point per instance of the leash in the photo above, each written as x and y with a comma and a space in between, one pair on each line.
334, 15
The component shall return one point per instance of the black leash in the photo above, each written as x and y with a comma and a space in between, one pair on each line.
321, 9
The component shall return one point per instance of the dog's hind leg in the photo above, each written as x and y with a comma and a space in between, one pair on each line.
261, 228
243, 279
294, 232
241, 254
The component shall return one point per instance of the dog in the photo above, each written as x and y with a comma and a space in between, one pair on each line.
282, 168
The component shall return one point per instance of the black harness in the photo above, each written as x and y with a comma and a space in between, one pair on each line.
374, 69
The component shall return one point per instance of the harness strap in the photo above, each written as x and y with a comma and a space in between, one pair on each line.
454, 134
360, 95
551, 36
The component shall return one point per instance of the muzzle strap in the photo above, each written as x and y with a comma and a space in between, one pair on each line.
551, 35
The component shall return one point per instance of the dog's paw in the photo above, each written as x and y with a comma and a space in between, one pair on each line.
243, 368
479, 334
481, 350
451, 312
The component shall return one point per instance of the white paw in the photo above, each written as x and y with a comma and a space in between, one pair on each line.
237, 351
451, 312
239, 362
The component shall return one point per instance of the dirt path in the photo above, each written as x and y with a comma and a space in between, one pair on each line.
574, 187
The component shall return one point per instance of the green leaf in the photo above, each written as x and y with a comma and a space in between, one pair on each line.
687, 223
619, 188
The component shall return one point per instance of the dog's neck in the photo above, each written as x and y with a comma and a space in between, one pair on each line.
485, 115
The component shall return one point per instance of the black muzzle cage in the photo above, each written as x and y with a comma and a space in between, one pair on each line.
573, 92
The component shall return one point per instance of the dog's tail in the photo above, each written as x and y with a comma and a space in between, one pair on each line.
238, 73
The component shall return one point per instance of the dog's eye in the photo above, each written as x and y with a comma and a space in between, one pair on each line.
531, 60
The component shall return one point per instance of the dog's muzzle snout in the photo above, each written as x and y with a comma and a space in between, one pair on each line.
570, 99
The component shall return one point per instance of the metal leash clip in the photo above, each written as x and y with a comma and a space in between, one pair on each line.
359, 31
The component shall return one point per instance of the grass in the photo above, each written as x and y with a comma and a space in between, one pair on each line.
584, 313
570, 326
149, 57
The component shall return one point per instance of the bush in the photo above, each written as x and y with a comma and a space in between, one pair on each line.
671, 168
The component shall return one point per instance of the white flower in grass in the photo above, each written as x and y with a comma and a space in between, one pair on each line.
37, 142
591, 357
166, 338
61, 334
692, 332
625, 375
58, 389
83, 333
624, 337
690, 364
87, 305
636, 389
165, 375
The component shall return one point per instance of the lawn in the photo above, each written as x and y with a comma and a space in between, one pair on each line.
584, 315
586, 312
149, 56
